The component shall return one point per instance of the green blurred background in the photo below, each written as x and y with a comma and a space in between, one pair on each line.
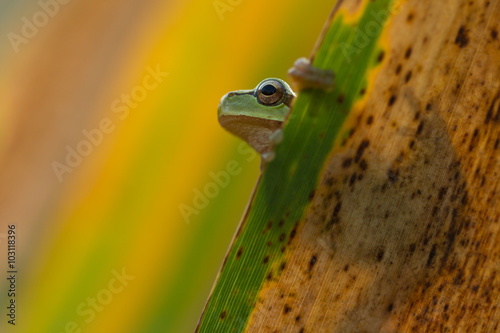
108, 135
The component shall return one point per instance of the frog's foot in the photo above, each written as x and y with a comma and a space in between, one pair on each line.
269, 154
303, 75
276, 137
267, 157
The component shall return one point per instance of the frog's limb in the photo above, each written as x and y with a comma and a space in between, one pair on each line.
268, 156
276, 137
274, 140
303, 75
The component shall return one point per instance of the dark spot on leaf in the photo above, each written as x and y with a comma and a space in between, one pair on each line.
489, 115
391, 100
464, 199
381, 56
346, 268
494, 34
398, 69
238, 254
281, 222
363, 165
408, 52
341, 98
312, 262
442, 193
462, 39
334, 219
390, 307
369, 120
431, 255
412, 143
270, 276
282, 237
283, 265
428, 107
458, 279
474, 140
420, 127
268, 227
435, 210
362, 146
266, 259
286, 309
491, 110
380, 255
223, 314
408, 77
297, 318
352, 180
311, 195
412, 247
347, 162
410, 17
392, 176
362, 91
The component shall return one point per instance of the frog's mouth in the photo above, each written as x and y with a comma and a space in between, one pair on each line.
255, 131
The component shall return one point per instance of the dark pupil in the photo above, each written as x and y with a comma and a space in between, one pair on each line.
268, 89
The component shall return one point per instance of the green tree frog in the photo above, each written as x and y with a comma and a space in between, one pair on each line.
257, 115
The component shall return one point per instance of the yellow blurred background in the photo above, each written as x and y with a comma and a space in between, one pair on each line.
123, 189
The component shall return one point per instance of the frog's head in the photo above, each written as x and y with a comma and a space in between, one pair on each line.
254, 115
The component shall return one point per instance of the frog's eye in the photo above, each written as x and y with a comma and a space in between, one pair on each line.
271, 92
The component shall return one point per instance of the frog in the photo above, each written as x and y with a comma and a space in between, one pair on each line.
257, 115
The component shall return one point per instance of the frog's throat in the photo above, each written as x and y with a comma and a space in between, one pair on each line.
255, 131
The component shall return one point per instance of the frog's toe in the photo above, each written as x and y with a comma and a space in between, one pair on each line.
305, 76
276, 137
268, 156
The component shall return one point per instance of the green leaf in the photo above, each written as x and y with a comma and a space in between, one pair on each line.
259, 251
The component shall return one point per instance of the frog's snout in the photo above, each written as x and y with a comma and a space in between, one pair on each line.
222, 102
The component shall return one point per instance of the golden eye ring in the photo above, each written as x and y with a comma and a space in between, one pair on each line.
271, 92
